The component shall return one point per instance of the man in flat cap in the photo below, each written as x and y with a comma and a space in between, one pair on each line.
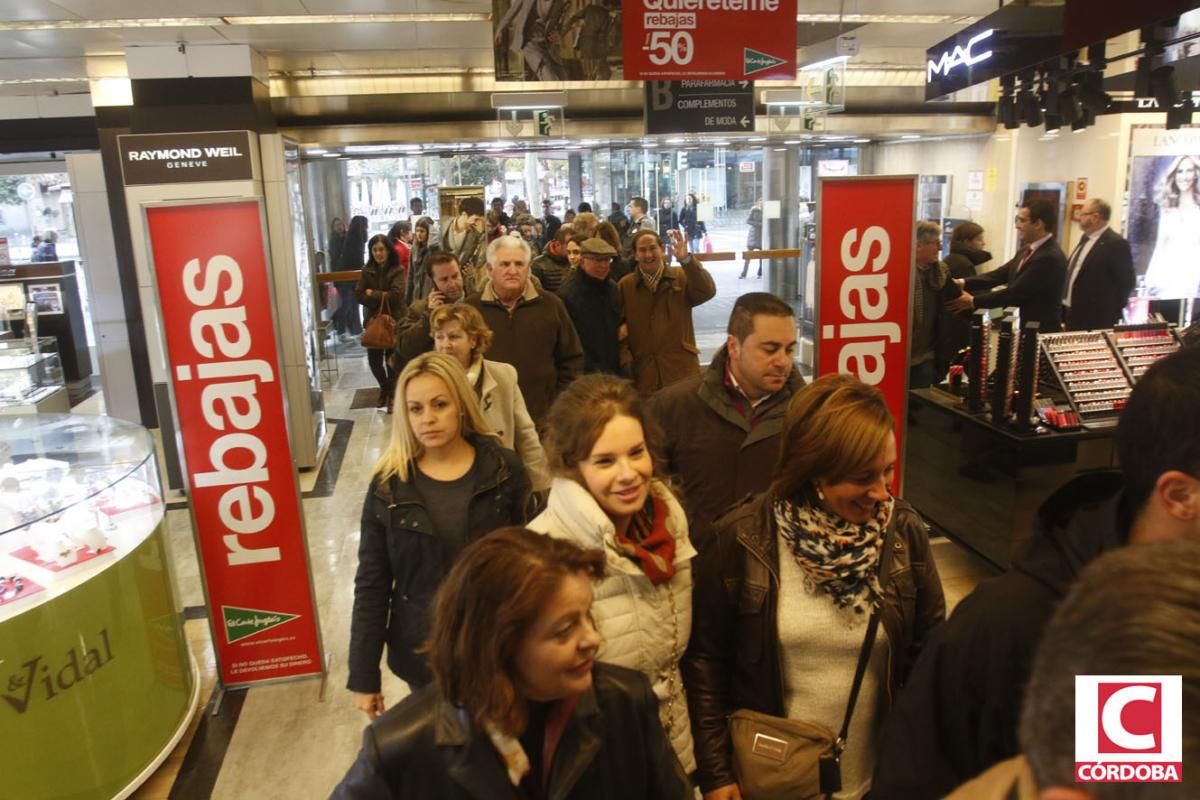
594, 304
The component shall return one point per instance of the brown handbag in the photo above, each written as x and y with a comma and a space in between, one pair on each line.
380, 331
788, 759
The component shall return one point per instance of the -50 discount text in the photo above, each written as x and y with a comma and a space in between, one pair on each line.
709, 39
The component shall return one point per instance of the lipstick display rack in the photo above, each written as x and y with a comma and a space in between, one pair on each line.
1091, 375
1139, 346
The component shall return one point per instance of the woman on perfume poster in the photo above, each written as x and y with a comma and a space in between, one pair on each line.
1174, 269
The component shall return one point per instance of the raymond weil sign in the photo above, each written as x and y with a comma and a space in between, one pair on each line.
185, 157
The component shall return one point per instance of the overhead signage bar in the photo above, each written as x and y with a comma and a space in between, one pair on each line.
709, 39
1009, 40
699, 106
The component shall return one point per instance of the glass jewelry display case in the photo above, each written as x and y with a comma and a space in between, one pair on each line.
96, 681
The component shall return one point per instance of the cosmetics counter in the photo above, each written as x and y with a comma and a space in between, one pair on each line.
1023, 414
96, 679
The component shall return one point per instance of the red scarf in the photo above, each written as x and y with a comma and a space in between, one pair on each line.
648, 542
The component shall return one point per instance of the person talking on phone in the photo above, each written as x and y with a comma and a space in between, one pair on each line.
658, 302
414, 334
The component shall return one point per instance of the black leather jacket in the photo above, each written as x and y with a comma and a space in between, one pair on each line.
613, 748
733, 659
402, 560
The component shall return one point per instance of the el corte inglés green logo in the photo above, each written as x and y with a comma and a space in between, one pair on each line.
242, 623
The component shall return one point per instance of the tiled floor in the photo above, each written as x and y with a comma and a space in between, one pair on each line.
296, 740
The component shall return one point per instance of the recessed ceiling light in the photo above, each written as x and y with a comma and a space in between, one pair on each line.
331, 155
315, 151
757, 139
676, 140
862, 141
794, 141
910, 136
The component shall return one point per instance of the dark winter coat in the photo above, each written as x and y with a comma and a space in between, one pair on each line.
551, 270
959, 713
691, 226
733, 660
962, 260
613, 748
538, 338
401, 561
715, 453
374, 277
595, 309
954, 329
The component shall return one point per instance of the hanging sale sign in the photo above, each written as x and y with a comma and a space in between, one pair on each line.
865, 251
210, 270
709, 39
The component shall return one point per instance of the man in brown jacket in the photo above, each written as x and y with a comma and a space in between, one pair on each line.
658, 302
722, 426
530, 327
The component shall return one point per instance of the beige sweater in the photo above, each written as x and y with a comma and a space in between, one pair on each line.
819, 655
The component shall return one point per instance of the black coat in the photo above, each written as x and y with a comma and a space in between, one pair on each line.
1103, 285
1037, 288
963, 260
401, 561
733, 659
692, 227
595, 309
959, 713
613, 748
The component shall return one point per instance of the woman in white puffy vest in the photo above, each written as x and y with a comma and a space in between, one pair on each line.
605, 497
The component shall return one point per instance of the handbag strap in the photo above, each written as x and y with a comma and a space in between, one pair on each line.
885, 562
863, 656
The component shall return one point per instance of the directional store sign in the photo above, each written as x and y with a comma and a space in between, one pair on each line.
699, 106
709, 39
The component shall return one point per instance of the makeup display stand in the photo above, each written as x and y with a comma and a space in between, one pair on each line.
978, 474
96, 682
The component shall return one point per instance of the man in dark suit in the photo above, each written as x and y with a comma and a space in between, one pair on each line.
1100, 274
1033, 280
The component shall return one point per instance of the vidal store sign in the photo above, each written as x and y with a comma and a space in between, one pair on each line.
214, 289
865, 259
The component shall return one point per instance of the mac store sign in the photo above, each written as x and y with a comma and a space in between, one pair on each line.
1009, 40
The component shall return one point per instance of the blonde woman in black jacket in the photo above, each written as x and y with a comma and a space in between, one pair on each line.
443, 482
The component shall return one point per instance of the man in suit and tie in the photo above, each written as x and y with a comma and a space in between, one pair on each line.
1033, 280
1100, 274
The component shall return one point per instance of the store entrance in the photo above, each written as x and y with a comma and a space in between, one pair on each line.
726, 182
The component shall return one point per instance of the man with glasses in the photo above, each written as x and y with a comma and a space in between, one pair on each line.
1033, 280
1100, 274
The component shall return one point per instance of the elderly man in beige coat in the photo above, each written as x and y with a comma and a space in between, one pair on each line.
658, 302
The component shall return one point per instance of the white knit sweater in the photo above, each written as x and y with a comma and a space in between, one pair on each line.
819, 655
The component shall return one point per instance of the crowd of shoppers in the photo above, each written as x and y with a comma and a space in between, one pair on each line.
707, 549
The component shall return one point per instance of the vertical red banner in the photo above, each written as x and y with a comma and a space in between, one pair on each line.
867, 244
214, 292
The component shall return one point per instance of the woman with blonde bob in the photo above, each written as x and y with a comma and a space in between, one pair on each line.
605, 498
443, 482
519, 708
792, 578
459, 331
